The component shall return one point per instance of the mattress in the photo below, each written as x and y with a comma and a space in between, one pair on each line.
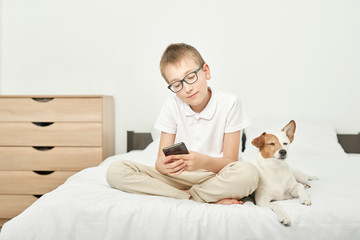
86, 207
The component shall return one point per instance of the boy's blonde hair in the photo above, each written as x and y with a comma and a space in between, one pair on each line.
175, 52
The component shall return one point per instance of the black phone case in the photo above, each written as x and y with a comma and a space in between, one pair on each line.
176, 149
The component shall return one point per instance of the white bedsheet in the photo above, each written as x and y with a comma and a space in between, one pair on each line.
85, 207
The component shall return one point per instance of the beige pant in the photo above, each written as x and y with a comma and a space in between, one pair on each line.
235, 180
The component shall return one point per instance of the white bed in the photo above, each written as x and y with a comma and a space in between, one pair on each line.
85, 207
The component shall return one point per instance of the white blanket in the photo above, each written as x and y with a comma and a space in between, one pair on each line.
86, 207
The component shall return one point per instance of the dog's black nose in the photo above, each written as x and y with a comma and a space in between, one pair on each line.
282, 152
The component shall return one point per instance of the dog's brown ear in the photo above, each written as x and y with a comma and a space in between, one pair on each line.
289, 129
259, 141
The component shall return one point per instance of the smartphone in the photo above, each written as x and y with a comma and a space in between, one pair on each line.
176, 149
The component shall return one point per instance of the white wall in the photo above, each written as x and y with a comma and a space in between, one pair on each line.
286, 59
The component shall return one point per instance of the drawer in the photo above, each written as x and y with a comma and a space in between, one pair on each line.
51, 109
29, 182
3, 220
55, 134
13, 205
49, 158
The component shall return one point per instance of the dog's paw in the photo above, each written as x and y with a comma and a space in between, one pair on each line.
285, 222
306, 186
312, 178
306, 202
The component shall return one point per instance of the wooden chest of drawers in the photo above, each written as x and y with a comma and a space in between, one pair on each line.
46, 139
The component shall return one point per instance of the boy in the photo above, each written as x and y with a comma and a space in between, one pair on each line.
209, 123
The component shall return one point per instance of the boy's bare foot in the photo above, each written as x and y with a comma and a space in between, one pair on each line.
229, 201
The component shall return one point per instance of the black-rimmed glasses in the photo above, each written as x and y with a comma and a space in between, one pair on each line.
189, 79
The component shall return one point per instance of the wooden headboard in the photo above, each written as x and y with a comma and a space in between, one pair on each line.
138, 141
350, 142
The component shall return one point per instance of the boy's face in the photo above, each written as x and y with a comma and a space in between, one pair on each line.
197, 95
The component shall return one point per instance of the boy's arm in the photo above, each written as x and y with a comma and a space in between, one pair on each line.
195, 161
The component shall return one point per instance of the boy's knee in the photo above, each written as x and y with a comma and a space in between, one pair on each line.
251, 176
245, 176
117, 173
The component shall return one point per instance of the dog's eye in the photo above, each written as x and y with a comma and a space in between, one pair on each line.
271, 144
285, 143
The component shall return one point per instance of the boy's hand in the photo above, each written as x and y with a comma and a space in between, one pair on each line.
193, 161
171, 165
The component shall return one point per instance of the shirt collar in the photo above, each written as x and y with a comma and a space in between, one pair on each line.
208, 112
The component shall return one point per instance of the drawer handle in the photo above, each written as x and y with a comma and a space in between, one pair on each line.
43, 172
43, 148
43, 100
42, 124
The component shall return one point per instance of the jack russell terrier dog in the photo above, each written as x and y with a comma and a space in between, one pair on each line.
277, 180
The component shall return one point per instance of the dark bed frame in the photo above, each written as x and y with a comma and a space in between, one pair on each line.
350, 142
138, 141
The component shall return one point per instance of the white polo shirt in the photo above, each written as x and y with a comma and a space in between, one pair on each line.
203, 132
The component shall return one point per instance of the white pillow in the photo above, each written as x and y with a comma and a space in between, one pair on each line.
153, 147
310, 138
150, 153
155, 133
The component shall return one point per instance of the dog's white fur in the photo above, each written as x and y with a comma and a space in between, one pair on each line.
277, 180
